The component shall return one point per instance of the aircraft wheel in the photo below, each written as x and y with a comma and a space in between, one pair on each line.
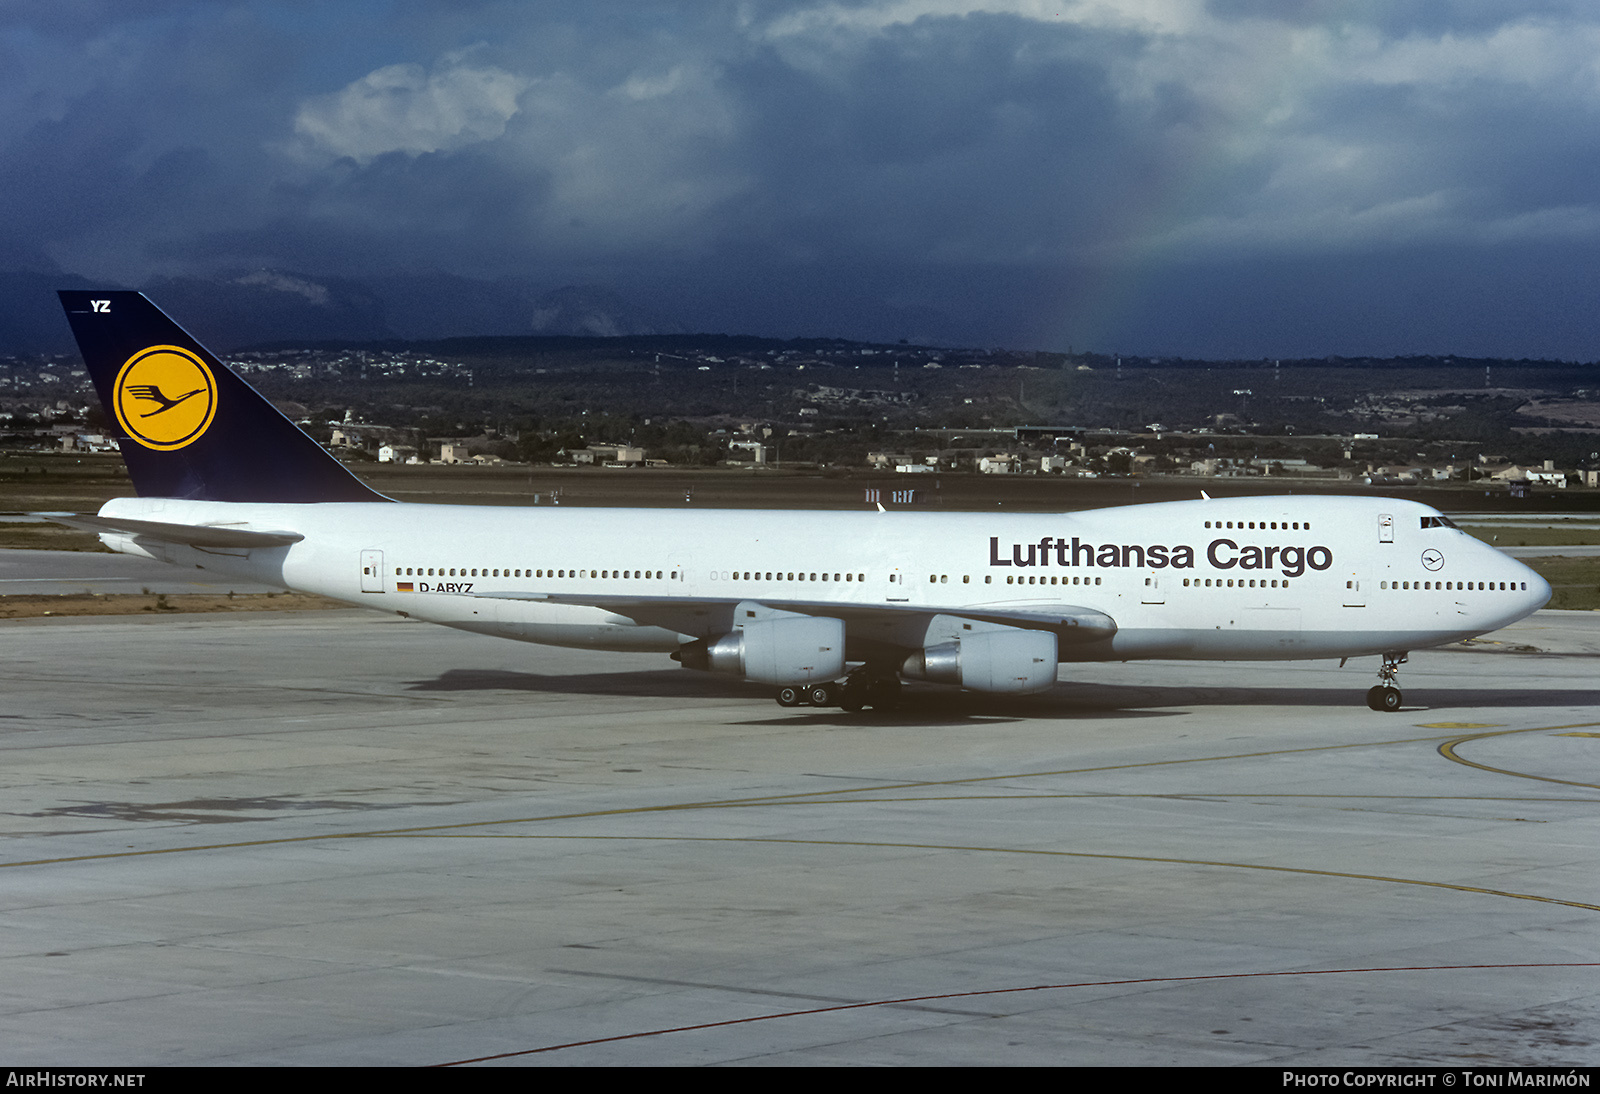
1384, 699
884, 694
820, 695
851, 695
788, 697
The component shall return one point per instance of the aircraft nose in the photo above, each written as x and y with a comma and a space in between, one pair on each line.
1538, 591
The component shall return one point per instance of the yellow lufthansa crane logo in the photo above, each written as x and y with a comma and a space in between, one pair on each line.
165, 397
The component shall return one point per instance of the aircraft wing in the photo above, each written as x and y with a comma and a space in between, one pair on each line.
711, 615
189, 535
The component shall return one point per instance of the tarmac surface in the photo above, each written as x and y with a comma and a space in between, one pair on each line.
344, 838
1582, 550
52, 573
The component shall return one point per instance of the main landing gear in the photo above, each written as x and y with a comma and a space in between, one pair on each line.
1386, 696
814, 695
860, 689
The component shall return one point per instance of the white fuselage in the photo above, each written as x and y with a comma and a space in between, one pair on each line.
1258, 578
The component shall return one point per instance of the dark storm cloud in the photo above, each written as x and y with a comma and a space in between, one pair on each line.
974, 140
1395, 18
1172, 175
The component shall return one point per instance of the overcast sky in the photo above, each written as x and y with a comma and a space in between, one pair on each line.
1200, 177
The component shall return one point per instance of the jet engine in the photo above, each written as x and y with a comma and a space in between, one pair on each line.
1013, 661
792, 650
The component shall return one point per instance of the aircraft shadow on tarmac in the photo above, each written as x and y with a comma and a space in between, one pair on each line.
1068, 699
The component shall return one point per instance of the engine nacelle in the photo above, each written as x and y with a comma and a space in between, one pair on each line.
1013, 661
795, 650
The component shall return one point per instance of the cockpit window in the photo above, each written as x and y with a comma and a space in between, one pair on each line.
1439, 522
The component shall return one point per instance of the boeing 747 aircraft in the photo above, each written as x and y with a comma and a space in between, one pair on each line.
828, 608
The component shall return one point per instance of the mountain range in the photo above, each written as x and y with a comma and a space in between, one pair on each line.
247, 308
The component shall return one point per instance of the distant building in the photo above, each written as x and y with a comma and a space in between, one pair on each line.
754, 452
1546, 477
87, 442
609, 455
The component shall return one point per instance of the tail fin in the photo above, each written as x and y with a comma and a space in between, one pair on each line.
188, 426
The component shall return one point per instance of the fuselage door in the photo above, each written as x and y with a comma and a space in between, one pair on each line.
1152, 591
372, 571
1354, 595
898, 592
1385, 528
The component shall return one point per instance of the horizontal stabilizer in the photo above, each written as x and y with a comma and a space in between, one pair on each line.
189, 535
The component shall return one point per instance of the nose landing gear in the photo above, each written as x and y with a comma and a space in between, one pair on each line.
1386, 695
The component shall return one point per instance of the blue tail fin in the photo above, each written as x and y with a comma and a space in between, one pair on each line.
187, 425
